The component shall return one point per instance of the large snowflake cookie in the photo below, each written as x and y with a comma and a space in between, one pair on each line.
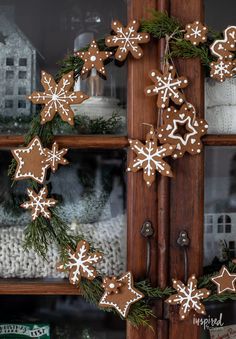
57, 98
124, 296
167, 86
183, 129
195, 33
34, 160
94, 58
80, 263
149, 158
127, 39
188, 297
223, 48
222, 69
39, 203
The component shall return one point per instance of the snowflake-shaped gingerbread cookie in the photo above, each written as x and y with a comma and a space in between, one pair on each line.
183, 129
39, 203
57, 98
222, 69
126, 296
188, 297
80, 263
55, 157
94, 58
127, 39
167, 86
149, 158
195, 33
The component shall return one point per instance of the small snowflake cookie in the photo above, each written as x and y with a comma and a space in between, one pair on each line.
183, 129
93, 58
39, 203
127, 39
125, 295
167, 87
150, 158
223, 48
222, 69
195, 33
55, 157
57, 98
188, 297
80, 263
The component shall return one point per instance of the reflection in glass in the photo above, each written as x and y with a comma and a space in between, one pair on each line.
91, 195
31, 41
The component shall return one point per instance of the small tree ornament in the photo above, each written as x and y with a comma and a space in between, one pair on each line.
166, 86
222, 69
225, 281
195, 33
57, 98
223, 48
149, 157
127, 39
80, 263
39, 203
126, 296
188, 297
183, 129
93, 59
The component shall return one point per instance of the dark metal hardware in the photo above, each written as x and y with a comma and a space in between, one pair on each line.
147, 232
184, 242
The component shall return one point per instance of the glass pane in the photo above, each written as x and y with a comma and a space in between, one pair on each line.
91, 193
32, 40
220, 98
220, 242
67, 317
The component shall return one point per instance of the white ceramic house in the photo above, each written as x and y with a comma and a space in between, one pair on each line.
17, 67
219, 229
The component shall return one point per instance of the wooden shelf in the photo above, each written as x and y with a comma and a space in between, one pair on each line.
37, 287
74, 141
220, 140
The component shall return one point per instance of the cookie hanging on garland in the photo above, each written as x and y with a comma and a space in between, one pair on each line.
39, 203
120, 293
167, 87
57, 98
223, 48
127, 39
93, 59
55, 157
80, 263
195, 33
225, 281
149, 157
183, 129
188, 297
222, 69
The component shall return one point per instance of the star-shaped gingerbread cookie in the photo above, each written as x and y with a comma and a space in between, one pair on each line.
225, 281
39, 203
167, 87
57, 98
94, 58
126, 295
127, 39
150, 158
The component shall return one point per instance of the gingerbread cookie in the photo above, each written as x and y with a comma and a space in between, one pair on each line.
93, 58
195, 33
188, 297
126, 294
223, 48
54, 157
167, 87
149, 158
39, 203
222, 69
127, 39
80, 263
57, 98
183, 129
225, 281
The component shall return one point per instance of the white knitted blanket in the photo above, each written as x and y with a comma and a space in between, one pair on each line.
108, 236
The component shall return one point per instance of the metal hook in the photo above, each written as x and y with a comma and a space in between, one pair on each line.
184, 241
147, 232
